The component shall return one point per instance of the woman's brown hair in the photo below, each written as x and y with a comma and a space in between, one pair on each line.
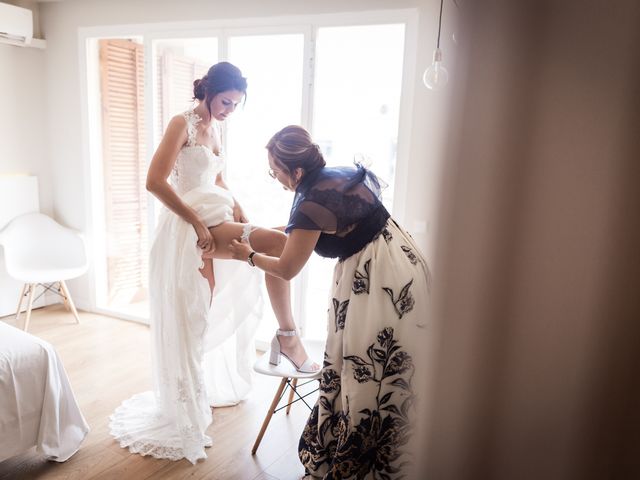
293, 147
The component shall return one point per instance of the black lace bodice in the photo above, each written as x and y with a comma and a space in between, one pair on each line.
344, 203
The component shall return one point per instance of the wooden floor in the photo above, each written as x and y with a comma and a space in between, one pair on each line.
107, 360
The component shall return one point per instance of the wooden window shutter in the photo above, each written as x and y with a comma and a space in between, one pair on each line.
122, 91
175, 85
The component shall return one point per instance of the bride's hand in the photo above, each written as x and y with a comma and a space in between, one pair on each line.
239, 250
238, 214
205, 239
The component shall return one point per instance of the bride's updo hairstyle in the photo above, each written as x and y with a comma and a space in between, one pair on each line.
292, 147
221, 77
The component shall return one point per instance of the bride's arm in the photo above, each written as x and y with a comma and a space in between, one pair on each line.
160, 168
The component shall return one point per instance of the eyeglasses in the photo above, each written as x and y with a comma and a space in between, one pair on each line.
274, 173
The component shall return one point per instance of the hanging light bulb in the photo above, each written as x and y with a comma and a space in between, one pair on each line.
436, 76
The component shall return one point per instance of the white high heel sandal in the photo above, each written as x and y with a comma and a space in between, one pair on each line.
276, 353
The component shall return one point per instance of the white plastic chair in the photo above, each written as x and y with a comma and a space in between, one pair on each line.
39, 251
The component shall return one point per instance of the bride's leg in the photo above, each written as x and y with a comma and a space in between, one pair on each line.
207, 272
270, 242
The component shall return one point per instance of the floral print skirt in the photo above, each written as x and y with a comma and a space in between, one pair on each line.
362, 423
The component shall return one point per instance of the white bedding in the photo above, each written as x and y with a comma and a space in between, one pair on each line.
37, 406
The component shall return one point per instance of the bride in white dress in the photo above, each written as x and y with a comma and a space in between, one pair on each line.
202, 335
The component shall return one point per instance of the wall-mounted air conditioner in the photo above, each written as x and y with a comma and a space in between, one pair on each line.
16, 26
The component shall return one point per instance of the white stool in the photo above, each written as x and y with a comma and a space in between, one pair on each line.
290, 377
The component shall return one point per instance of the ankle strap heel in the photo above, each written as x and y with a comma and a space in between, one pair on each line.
275, 356
287, 333
276, 353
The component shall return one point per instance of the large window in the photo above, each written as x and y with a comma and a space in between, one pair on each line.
343, 83
273, 66
356, 105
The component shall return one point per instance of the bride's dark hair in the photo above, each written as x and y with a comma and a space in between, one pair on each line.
221, 77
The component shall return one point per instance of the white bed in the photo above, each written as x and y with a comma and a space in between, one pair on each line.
37, 405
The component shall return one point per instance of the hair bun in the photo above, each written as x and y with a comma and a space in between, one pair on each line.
199, 88
293, 147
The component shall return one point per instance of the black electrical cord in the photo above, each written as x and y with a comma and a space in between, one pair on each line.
439, 24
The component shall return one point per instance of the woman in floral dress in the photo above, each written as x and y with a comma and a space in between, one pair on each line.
362, 423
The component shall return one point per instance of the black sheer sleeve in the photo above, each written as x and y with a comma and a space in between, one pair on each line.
334, 199
342, 202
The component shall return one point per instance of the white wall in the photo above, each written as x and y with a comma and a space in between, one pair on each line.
23, 139
60, 22
23, 118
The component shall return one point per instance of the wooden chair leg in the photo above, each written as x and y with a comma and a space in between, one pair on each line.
293, 389
65, 290
65, 300
32, 290
273, 406
24, 289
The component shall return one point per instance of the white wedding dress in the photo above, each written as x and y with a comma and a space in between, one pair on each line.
202, 352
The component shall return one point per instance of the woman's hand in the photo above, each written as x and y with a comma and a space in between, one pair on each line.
240, 250
205, 239
238, 214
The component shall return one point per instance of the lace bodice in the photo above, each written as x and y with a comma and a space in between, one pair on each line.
344, 204
196, 165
